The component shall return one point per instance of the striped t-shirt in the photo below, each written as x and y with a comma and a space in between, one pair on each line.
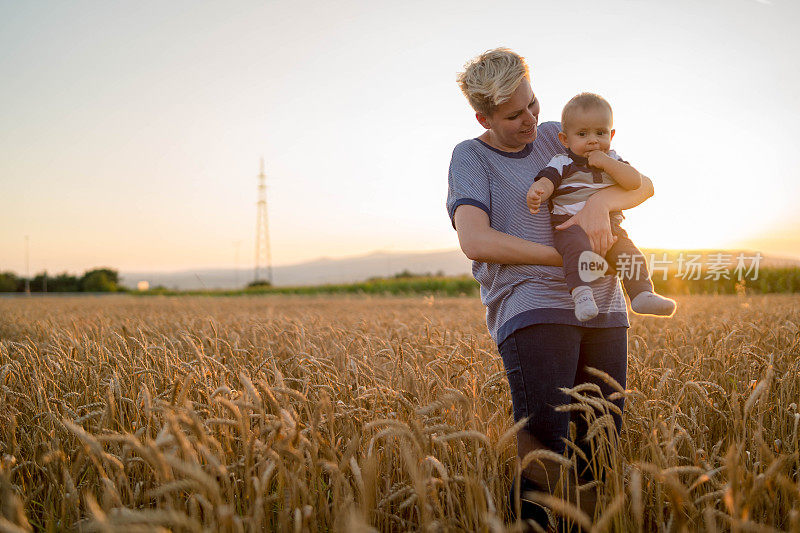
517, 296
574, 181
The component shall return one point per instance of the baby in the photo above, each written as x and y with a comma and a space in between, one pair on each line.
568, 181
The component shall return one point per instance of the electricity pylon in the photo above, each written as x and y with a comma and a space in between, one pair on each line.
263, 256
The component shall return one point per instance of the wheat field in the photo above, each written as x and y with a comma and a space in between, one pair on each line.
292, 413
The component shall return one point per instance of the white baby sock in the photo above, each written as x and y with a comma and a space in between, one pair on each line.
585, 308
649, 303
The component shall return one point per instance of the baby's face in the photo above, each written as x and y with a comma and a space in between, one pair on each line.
588, 130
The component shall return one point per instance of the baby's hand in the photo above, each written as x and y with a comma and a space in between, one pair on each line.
535, 195
598, 159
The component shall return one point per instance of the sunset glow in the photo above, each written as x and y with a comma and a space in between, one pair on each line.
131, 133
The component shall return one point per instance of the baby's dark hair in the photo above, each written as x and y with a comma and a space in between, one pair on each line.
584, 102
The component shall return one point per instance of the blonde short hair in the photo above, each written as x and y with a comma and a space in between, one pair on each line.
491, 78
584, 102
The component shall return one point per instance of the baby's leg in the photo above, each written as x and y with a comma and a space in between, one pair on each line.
570, 243
631, 266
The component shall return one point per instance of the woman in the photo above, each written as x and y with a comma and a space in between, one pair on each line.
529, 311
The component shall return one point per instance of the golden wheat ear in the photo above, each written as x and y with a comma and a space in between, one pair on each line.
296, 413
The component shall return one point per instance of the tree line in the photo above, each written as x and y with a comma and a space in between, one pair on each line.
95, 280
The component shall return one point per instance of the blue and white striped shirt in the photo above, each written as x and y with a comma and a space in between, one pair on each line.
517, 296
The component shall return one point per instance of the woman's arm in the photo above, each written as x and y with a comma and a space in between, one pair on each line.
618, 199
593, 218
480, 242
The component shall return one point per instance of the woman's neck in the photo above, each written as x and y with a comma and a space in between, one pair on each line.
489, 138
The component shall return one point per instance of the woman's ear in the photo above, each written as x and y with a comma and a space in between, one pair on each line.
563, 138
483, 120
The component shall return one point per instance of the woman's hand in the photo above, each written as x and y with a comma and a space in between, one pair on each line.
593, 219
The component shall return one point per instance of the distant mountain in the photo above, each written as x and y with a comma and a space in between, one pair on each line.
351, 269
316, 272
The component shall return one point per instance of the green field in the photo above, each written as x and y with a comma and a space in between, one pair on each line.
769, 280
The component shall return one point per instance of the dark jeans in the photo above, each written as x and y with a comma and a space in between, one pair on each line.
623, 257
542, 358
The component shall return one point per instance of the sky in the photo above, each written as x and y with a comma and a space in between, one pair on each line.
131, 132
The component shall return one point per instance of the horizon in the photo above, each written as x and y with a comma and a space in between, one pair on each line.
132, 132
211, 268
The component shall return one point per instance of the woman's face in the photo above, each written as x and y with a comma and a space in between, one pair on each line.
513, 123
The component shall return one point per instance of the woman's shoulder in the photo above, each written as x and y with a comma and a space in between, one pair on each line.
547, 144
466, 151
466, 146
549, 130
